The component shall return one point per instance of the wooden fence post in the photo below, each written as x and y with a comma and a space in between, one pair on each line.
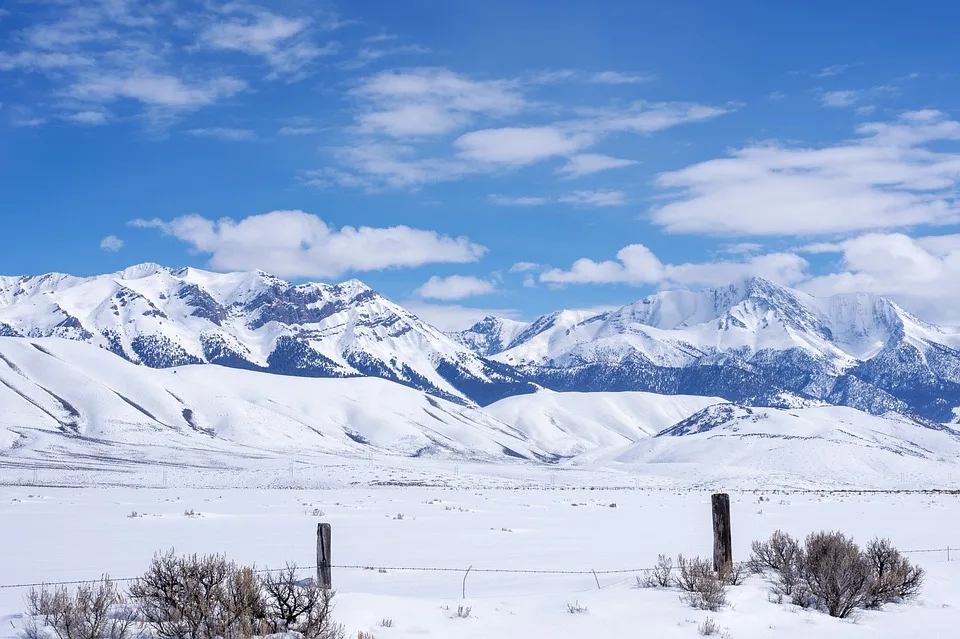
324, 577
722, 541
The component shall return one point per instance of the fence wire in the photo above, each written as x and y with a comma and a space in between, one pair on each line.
470, 569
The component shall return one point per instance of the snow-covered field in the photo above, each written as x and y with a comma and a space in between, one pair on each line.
51, 534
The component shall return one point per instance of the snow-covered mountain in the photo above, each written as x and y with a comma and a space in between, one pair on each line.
73, 406
70, 401
163, 317
826, 445
753, 342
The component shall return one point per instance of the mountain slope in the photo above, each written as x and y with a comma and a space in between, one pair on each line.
573, 423
57, 393
822, 445
163, 317
753, 342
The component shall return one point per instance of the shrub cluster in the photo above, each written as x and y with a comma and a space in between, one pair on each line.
188, 597
830, 572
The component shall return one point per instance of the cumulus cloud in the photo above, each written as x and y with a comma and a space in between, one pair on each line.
636, 265
454, 287
454, 317
919, 273
519, 145
297, 244
887, 178
111, 243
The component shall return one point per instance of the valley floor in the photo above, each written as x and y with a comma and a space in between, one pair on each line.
71, 533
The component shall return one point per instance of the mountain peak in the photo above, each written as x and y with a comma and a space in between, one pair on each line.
140, 271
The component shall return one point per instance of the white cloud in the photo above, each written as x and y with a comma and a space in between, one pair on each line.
776, 95
298, 130
452, 317
616, 77
836, 69
595, 198
524, 267
157, 59
648, 117
508, 200
111, 243
741, 248
395, 103
285, 43
840, 98
404, 119
454, 287
885, 179
589, 163
298, 244
368, 55
636, 265
919, 273
89, 117
156, 90
223, 133
519, 146
851, 97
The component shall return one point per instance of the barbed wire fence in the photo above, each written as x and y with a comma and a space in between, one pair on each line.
949, 552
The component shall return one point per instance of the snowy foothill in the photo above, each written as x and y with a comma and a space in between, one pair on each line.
64, 534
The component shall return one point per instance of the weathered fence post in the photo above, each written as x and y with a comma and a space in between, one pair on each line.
324, 577
722, 541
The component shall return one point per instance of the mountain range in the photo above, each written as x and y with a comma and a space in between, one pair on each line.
752, 342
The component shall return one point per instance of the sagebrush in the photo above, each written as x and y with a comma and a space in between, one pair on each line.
830, 572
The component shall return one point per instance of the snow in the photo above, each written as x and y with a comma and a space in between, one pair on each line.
64, 400
69, 533
76, 389
573, 423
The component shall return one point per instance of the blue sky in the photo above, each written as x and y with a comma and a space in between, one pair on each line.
474, 157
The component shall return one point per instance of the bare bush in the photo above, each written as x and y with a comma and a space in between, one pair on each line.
94, 610
386, 622
463, 612
661, 576
704, 589
733, 574
836, 573
302, 607
893, 577
708, 627
209, 597
779, 552
576, 609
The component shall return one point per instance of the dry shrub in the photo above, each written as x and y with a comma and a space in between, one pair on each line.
95, 610
894, 578
660, 577
830, 572
301, 607
704, 589
209, 597
780, 551
733, 574
836, 573
708, 627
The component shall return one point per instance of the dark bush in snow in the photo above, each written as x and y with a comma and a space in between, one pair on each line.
93, 610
